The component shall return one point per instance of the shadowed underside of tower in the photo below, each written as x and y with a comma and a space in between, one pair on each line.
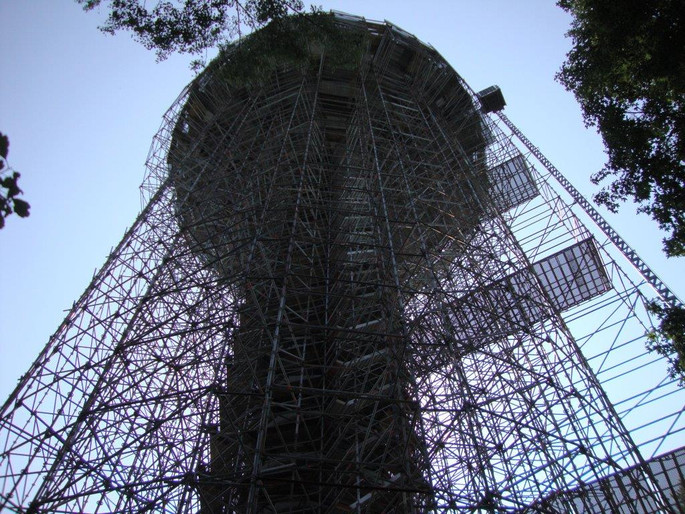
309, 210
348, 292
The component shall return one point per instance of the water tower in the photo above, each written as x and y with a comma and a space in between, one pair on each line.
349, 291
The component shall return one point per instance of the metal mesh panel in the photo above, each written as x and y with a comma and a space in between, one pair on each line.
511, 184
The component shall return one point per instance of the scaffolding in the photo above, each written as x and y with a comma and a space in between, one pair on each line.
349, 290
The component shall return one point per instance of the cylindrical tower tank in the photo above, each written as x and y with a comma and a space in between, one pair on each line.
290, 185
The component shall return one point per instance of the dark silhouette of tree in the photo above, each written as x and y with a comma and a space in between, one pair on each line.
192, 27
669, 339
627, 71
9, 190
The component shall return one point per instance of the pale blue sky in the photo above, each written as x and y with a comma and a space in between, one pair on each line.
81, 109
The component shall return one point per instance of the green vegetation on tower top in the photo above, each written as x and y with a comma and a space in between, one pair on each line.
292, 41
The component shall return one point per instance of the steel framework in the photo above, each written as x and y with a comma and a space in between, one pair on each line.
349, 291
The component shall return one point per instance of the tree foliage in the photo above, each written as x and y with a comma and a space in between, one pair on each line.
192, 27
9, 190
626, 69
669, 339
295, 41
